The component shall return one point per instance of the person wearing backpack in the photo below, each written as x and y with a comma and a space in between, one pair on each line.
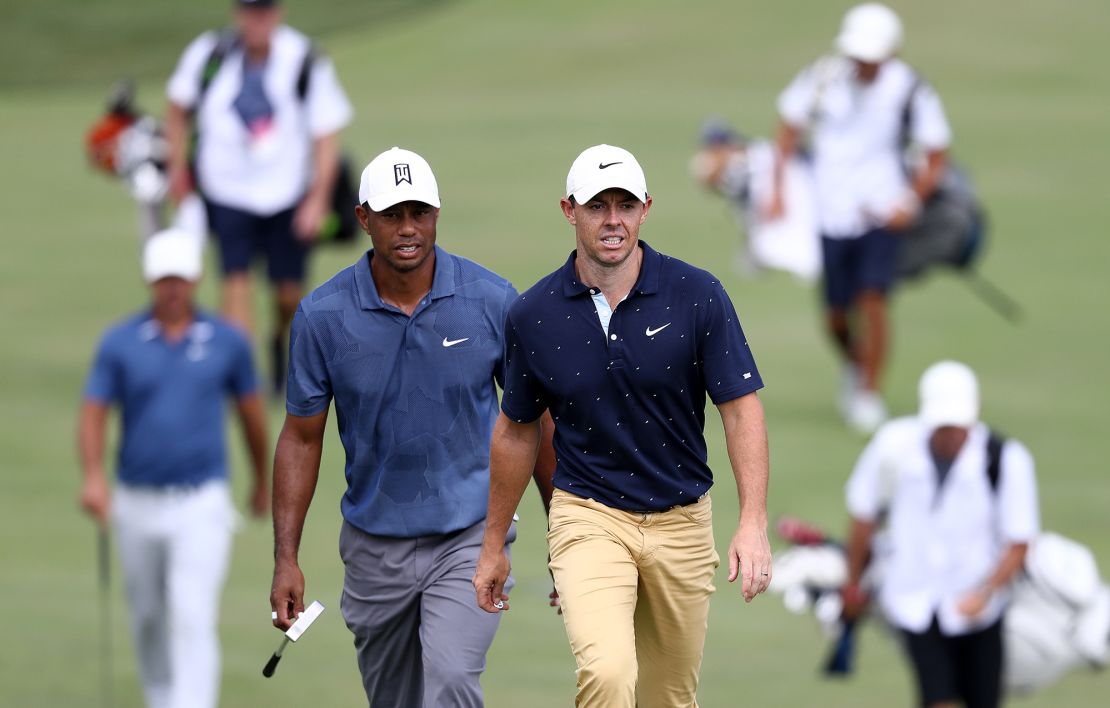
253, 125
854, 107
961, 510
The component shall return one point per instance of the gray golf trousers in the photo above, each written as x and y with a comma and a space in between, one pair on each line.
420, 636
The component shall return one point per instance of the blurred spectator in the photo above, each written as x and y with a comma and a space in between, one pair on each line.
742, 171
861, 106
267, 111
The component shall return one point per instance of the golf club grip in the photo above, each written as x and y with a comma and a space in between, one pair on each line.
268, 670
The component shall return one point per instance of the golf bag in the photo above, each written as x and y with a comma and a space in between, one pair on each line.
131, 146
950, 231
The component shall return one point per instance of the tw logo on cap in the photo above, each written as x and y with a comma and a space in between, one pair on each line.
401, 174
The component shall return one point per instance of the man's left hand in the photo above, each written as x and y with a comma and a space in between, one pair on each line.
309, 217
749, 558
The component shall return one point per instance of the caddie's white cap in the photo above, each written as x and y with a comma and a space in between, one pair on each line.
397, 175
949, 395
604, 167
172, 253
870, 32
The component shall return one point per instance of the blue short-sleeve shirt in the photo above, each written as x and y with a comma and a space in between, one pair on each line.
415, 397
172, 397
629, 406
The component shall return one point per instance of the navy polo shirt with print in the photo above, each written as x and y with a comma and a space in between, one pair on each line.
629, 407
415, 397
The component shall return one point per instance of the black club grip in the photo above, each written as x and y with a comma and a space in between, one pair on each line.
268, 670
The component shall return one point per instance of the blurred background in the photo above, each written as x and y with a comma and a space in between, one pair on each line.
500, 96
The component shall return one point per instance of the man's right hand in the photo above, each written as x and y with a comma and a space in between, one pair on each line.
287, 593
855, 600
95, 499
489, 580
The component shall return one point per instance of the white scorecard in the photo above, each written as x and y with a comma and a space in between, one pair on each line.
304, 620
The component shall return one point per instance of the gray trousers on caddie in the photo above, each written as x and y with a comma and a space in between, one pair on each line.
420, 635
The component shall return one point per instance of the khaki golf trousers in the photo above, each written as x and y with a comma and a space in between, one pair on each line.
635, 590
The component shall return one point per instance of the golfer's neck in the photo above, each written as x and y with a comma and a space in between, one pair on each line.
175, 322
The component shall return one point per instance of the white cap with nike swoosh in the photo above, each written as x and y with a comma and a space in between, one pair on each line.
604, 167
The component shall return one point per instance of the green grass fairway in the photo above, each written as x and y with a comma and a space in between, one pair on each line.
500, 96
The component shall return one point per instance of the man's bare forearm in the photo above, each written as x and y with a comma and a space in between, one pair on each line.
177, 135
1012, 561
92, 422
786, 144
325, 163
746, 439
544, 470
513, 450
928, 177
253, 417
296, 470
859, 548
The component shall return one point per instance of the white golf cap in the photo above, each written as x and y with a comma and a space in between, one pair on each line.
172, 253
949, 395
870, 32
397, 175
604, 167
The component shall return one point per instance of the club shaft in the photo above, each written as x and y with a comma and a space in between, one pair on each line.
103, 557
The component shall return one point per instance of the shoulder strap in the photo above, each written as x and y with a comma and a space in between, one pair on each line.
823, 70
907, 110
227, 39
994, 458
305, 74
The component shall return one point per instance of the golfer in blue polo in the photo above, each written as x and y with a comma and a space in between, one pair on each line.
622, 344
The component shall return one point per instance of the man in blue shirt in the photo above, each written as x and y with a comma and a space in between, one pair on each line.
170, 370
408, 344
621, 344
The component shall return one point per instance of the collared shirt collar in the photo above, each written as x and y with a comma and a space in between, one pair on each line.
443, 280
200, 329
646, 284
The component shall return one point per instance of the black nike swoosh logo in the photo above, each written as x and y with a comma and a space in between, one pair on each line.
603, 165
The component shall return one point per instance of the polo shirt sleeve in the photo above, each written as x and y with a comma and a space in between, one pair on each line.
104, 384
510, 297
184, 85
524, 399
308, 388
327, 105
1019, 513
864, 491
241, 378
726, 361
929, 127
797, 101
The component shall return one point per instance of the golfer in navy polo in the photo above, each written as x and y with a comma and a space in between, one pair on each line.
622, 344
407, 342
